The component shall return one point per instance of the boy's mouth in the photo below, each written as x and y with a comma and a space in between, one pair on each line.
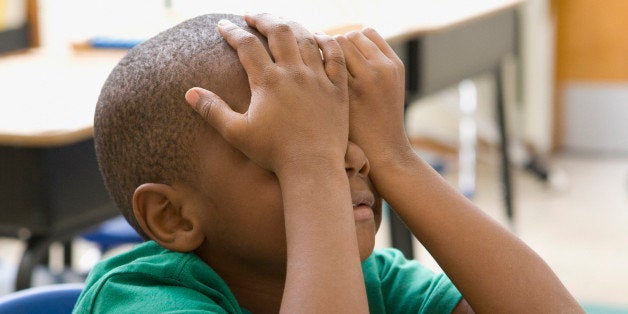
363, 205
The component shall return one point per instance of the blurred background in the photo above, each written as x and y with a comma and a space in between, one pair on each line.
566, 101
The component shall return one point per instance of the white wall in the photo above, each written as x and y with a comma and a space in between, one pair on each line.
538, 76
595, 117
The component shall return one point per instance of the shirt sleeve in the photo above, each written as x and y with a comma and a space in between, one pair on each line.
118, 295
150, 279
397, 285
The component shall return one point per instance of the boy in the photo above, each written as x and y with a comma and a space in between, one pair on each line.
266, 198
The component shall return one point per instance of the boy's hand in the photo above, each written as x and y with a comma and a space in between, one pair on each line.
376, 91
297, 126
299, 109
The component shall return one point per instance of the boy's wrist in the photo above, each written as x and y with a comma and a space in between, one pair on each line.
388, 166
391, 156
310, 166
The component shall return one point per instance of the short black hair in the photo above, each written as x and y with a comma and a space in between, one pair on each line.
144, 131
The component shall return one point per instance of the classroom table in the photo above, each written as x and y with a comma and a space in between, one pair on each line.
441, 44
475, 41
50, 183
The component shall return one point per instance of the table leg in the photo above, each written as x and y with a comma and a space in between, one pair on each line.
400, 236
504, 145
68, 254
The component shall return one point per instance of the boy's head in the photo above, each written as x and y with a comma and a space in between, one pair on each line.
144, 130
175, 179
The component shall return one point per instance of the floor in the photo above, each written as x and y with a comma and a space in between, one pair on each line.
577, 224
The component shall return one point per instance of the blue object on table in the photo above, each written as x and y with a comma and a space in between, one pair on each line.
114, 42
112, 233
56, 298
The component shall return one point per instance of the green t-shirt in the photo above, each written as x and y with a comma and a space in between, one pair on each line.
151, 279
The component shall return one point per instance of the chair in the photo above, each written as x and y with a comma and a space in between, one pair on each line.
112, 233
52, 299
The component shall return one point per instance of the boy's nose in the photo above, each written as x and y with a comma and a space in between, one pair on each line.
356, 162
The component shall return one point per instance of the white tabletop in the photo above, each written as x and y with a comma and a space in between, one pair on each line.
394, 19
425, 16
47, 98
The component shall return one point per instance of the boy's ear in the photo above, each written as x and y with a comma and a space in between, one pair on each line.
162, 213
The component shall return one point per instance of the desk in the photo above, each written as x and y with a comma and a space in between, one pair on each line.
50, 185
441, 44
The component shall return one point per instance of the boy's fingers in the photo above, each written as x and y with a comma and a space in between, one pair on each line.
334, 59
288, 40
381, 43
281, 39
308, 45
215, 111
353, 57
368, 49
251, 51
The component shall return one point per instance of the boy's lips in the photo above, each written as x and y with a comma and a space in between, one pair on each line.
363, 202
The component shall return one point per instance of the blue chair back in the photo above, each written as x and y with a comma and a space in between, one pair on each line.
111, 233
53, 299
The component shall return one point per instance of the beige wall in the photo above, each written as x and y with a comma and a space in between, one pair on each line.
591, 74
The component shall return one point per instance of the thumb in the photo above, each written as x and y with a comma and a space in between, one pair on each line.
215, 111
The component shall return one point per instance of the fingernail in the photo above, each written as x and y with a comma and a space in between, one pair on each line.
192, 97
224, 22
249, 17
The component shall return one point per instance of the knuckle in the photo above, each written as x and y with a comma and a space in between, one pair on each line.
385, 68
247, 40
337, 59
271, 77
298, 74
206, 108
333, 53
394, 67
281, 28
307, 41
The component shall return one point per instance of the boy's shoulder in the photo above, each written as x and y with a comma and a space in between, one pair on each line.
151, 278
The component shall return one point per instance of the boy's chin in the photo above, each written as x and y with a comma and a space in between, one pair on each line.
366, 252
366, 239
366, 247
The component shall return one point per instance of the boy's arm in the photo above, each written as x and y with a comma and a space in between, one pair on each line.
297, 126
494, 270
